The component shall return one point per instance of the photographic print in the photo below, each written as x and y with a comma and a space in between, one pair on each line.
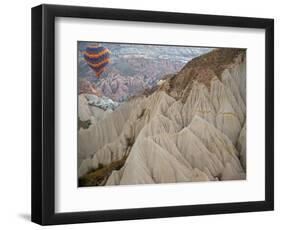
150, 114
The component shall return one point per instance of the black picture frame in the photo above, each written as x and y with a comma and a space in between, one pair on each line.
43, 114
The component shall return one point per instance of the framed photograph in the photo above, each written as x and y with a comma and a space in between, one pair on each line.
141, 114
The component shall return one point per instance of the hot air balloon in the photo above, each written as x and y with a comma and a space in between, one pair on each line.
97, 57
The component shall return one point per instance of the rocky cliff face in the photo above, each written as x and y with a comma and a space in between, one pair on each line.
85, 86
192, 128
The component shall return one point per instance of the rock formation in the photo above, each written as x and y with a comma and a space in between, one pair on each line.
85, 86
192, 128
133, 68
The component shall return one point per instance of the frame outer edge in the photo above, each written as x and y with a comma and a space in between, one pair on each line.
269, 112
36, 114
48, 115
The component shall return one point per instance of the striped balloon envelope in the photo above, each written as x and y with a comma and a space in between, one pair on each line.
97, 58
